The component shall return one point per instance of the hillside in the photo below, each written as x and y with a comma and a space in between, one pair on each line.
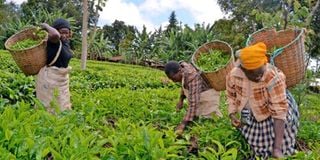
122, 112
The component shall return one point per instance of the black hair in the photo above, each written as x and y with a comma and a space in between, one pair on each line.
171, 67
61, 23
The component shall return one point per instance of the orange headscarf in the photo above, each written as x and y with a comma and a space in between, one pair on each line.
253, 57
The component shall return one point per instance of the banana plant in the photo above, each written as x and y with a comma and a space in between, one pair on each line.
101, 48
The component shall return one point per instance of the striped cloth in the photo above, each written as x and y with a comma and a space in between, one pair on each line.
260, 135
193, 82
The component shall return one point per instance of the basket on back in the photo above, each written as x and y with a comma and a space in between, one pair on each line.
217, 78
289, 53
29, 60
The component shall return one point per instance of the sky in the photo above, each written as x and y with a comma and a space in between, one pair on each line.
155, 13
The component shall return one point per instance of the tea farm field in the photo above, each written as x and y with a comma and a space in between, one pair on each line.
123, 112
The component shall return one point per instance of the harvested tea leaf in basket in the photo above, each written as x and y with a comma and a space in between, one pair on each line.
212, 61
39, 35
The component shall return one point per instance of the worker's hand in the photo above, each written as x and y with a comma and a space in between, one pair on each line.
179, 105
44, 26
235, 121
180, 129
277, 153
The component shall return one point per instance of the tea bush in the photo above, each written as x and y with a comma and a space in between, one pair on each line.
122, 112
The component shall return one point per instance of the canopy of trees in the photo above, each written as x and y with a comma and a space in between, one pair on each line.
173, 42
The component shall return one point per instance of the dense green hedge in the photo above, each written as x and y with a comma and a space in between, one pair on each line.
120, 112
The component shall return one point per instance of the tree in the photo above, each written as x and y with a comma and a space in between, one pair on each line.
95, 6
240, 19
173, 22
315, 36
8, 14
117, 32
141, 46
84, 35
7, 11
101, 47
69, 7
228, 31
266, 13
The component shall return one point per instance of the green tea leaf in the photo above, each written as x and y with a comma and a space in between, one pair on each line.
29, 42
212, 61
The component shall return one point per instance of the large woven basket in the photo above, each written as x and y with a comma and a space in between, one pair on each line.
29, 60
216, 79
290, 55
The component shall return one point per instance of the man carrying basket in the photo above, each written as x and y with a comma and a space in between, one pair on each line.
202, 100
53, 79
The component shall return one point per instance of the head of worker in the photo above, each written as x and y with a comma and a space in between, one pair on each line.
63, 27
173, 71
253, 61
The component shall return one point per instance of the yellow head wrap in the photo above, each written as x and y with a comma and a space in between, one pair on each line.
253, 57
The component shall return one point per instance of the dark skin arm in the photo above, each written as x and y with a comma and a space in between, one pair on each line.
53, 34
278, 127
234, 120
180, 128
183, 124
180, 102
279, 133
193, 101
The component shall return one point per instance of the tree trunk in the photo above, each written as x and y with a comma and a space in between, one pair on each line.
309, 19
84, 35
317, 65
285, 15
91, 40
92, 35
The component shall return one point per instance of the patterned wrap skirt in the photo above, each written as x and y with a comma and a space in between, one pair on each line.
260, 135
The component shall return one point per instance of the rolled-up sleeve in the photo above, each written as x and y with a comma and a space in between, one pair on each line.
277, 97
231, 94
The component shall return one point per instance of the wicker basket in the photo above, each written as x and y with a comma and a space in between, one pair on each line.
290, 55
216, 79
29, 60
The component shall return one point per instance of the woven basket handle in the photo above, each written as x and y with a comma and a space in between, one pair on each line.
57, 54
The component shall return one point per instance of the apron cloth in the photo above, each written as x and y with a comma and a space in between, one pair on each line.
209, 103
52, 81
